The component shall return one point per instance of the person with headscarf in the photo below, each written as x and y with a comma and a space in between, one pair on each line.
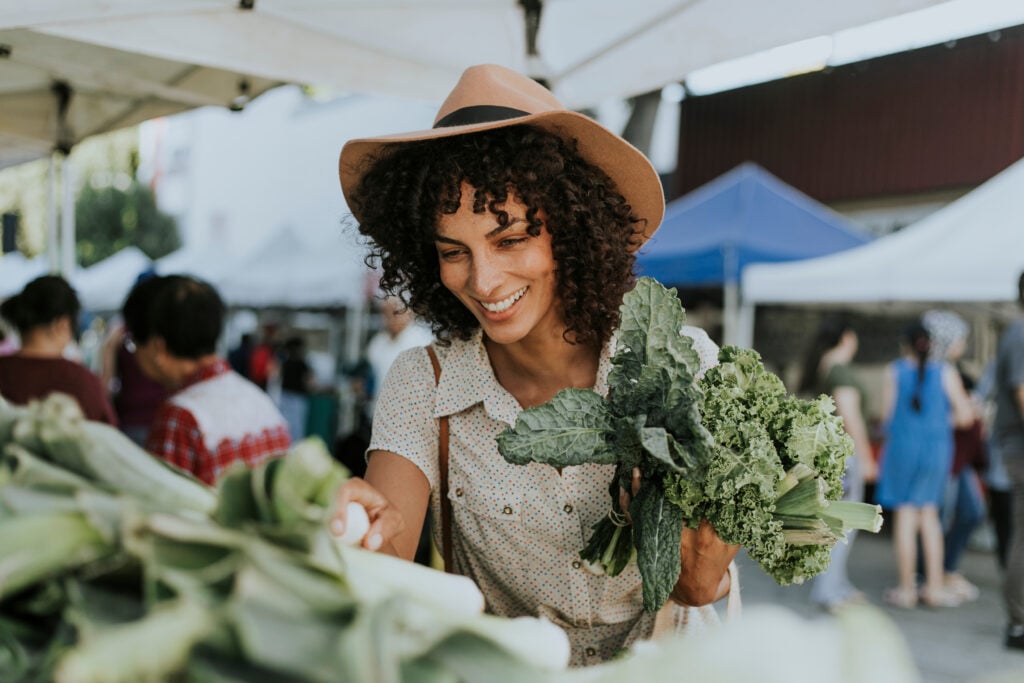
963, 506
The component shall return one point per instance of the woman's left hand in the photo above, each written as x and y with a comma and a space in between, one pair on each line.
704, 575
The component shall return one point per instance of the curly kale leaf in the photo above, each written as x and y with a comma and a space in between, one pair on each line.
816, 438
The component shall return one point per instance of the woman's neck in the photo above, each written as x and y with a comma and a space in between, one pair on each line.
42, 344
534, 370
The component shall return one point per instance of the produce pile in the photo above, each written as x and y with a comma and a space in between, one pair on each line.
763, 467
116, 567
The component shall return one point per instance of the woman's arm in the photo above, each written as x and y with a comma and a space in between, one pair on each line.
963, 410
889, 394
395, 494
847, 400
704, 575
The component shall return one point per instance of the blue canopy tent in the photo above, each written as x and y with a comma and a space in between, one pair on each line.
744, 216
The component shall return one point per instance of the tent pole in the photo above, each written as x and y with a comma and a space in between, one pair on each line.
52, 236
67, 243
745, 325
730, 313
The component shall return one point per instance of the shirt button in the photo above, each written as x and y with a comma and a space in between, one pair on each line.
507, 510
568, 508
459, 492
591, 652
576, 564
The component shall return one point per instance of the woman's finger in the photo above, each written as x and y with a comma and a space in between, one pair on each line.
385, 521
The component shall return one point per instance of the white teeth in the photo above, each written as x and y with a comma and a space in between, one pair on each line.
504, 304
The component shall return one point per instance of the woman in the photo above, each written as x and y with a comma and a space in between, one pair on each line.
45, 314
922, 399
827, 371
963, 507
511, 228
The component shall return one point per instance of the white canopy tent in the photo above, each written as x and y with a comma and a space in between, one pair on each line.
587, 50
969, 251
16, 271
210, 263
103, 286
290, 272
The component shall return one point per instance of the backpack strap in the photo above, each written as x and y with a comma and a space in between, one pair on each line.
442, 462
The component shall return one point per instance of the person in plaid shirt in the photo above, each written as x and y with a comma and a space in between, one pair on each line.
214, 416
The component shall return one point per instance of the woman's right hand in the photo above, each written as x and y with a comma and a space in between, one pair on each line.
385, 520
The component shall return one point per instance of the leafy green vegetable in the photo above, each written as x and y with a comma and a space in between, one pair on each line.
762, 466
776, 471
651, 421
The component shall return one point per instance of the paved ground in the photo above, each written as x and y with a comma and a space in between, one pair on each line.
951, 644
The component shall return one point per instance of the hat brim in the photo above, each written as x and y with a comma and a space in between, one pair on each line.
631, 171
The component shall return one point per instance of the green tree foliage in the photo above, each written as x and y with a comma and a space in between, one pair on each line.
110, 219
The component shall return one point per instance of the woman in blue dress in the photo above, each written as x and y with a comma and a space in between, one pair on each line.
922, 402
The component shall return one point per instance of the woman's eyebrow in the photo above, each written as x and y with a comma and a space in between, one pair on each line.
493, 233
502, 228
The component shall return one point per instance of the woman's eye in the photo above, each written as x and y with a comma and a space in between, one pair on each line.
511, 241
450, 254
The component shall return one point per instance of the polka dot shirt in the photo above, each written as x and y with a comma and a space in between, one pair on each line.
516, 530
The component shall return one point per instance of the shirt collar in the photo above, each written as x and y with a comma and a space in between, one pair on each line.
205, 372
467, 378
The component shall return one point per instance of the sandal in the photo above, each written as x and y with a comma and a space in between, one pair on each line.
961, 587
941, 598
904, 598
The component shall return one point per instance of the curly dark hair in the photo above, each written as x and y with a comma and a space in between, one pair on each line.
593, 230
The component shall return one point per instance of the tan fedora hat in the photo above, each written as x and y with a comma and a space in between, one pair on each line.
488, 97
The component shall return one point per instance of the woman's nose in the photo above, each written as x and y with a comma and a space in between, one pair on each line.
485, 276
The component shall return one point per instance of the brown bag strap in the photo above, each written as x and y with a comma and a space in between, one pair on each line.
442, 462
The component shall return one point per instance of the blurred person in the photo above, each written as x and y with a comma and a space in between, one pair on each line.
240, 357
399, 332
998, 486
214, 417
135, 396
827, 370
921, 396
45, 313
263, 366
8, 343
963, 506
296, 382
1009, 431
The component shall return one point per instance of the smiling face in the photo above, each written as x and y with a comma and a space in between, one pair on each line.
504, 275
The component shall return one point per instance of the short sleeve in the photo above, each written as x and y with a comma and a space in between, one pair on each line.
840, 376
706, 349
403, 421
175, 437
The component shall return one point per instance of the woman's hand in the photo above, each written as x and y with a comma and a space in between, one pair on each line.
704, 575
385, 521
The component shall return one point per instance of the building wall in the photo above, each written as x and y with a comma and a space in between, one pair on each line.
940, 118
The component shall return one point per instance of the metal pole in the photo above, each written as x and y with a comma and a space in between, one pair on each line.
52, 237
67, 243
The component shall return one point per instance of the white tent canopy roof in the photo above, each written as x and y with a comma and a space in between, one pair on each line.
587, 50
16, 271
55, 91
103, 286
289, 272
969, 251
